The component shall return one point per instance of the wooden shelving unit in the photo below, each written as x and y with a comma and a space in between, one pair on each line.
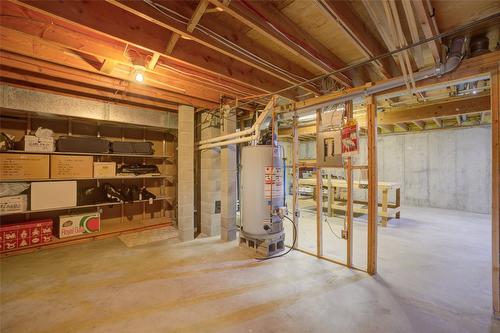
116, 217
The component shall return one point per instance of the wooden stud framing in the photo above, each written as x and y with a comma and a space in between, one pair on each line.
349, 203
495, 191
295, 174
420, 124
439, 122
371, 111
319, 198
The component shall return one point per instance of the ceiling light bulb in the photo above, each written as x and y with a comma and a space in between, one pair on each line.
139, 75
474, 91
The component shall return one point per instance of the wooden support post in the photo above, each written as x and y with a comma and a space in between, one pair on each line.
371, 110
319, 198
349, 203
295, 174
329, 194
495, 192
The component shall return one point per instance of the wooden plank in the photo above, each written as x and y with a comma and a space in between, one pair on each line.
295, 174
429, 27
267, 20
147, 35
495, 191
148, 13
345, 17
121, 88
195, 18
319, 196
371, 110
412, 26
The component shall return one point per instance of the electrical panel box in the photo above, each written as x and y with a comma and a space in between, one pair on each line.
329, 149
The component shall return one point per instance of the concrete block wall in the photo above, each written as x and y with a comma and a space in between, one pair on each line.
185, 174
228, 182
444, 168
210, 182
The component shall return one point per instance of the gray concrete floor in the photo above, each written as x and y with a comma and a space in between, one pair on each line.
434, 276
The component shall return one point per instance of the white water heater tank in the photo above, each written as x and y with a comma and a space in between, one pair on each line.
262, 189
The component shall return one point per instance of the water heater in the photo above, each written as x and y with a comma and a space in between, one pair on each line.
262, 198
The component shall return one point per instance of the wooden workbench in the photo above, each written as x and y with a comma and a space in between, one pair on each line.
386, 210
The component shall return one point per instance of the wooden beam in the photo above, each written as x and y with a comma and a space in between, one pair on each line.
99, 18
150, 14
319, 199
45, 69
412, 26
495, 191
371, 111
353, 26
419, 123
267, 20
438, 122
429, 26
107, 66
154, 60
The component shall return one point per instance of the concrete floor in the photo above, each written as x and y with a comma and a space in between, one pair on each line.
434, 276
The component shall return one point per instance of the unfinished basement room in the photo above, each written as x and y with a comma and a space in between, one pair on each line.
214, 166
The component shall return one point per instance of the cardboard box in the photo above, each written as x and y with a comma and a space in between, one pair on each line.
48, 195
35, 144
13, 236
104, 169
24, 166
14, 204
74, 225
71, 166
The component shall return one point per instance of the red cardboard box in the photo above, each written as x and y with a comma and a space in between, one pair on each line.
13, 236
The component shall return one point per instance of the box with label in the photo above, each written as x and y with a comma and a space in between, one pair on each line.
74, 225
24, 166
33, 143
57, 194
14, 204
104, 169
13, 236
71, 166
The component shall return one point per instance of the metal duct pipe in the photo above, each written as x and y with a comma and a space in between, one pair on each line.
453, 60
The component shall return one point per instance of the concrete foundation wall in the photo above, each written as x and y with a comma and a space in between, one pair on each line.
444, 169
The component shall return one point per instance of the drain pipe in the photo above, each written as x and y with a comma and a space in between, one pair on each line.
239, 137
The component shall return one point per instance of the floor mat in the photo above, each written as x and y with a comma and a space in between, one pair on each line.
150, 236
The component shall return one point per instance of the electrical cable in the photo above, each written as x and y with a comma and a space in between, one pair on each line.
291, 248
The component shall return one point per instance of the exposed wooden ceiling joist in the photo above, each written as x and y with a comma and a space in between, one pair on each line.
149, 13
343, 14
267, 20
429, 26
152, 37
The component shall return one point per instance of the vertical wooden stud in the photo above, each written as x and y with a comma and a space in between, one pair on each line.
349, 203
371, 110
319, 197
295, 175
495, 192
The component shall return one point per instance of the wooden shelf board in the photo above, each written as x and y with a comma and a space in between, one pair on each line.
89, 154
363, 209
104, 204
172, 178
109, 229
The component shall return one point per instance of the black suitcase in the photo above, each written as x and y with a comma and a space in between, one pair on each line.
132, 147
79, 144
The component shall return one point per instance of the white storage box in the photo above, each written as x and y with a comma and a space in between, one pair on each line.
35, 144
74, 225
14, 204
48, 195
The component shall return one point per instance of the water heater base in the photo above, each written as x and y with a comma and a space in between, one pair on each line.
267, 246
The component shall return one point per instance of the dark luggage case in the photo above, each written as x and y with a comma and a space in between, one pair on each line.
132, 147
78, 144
